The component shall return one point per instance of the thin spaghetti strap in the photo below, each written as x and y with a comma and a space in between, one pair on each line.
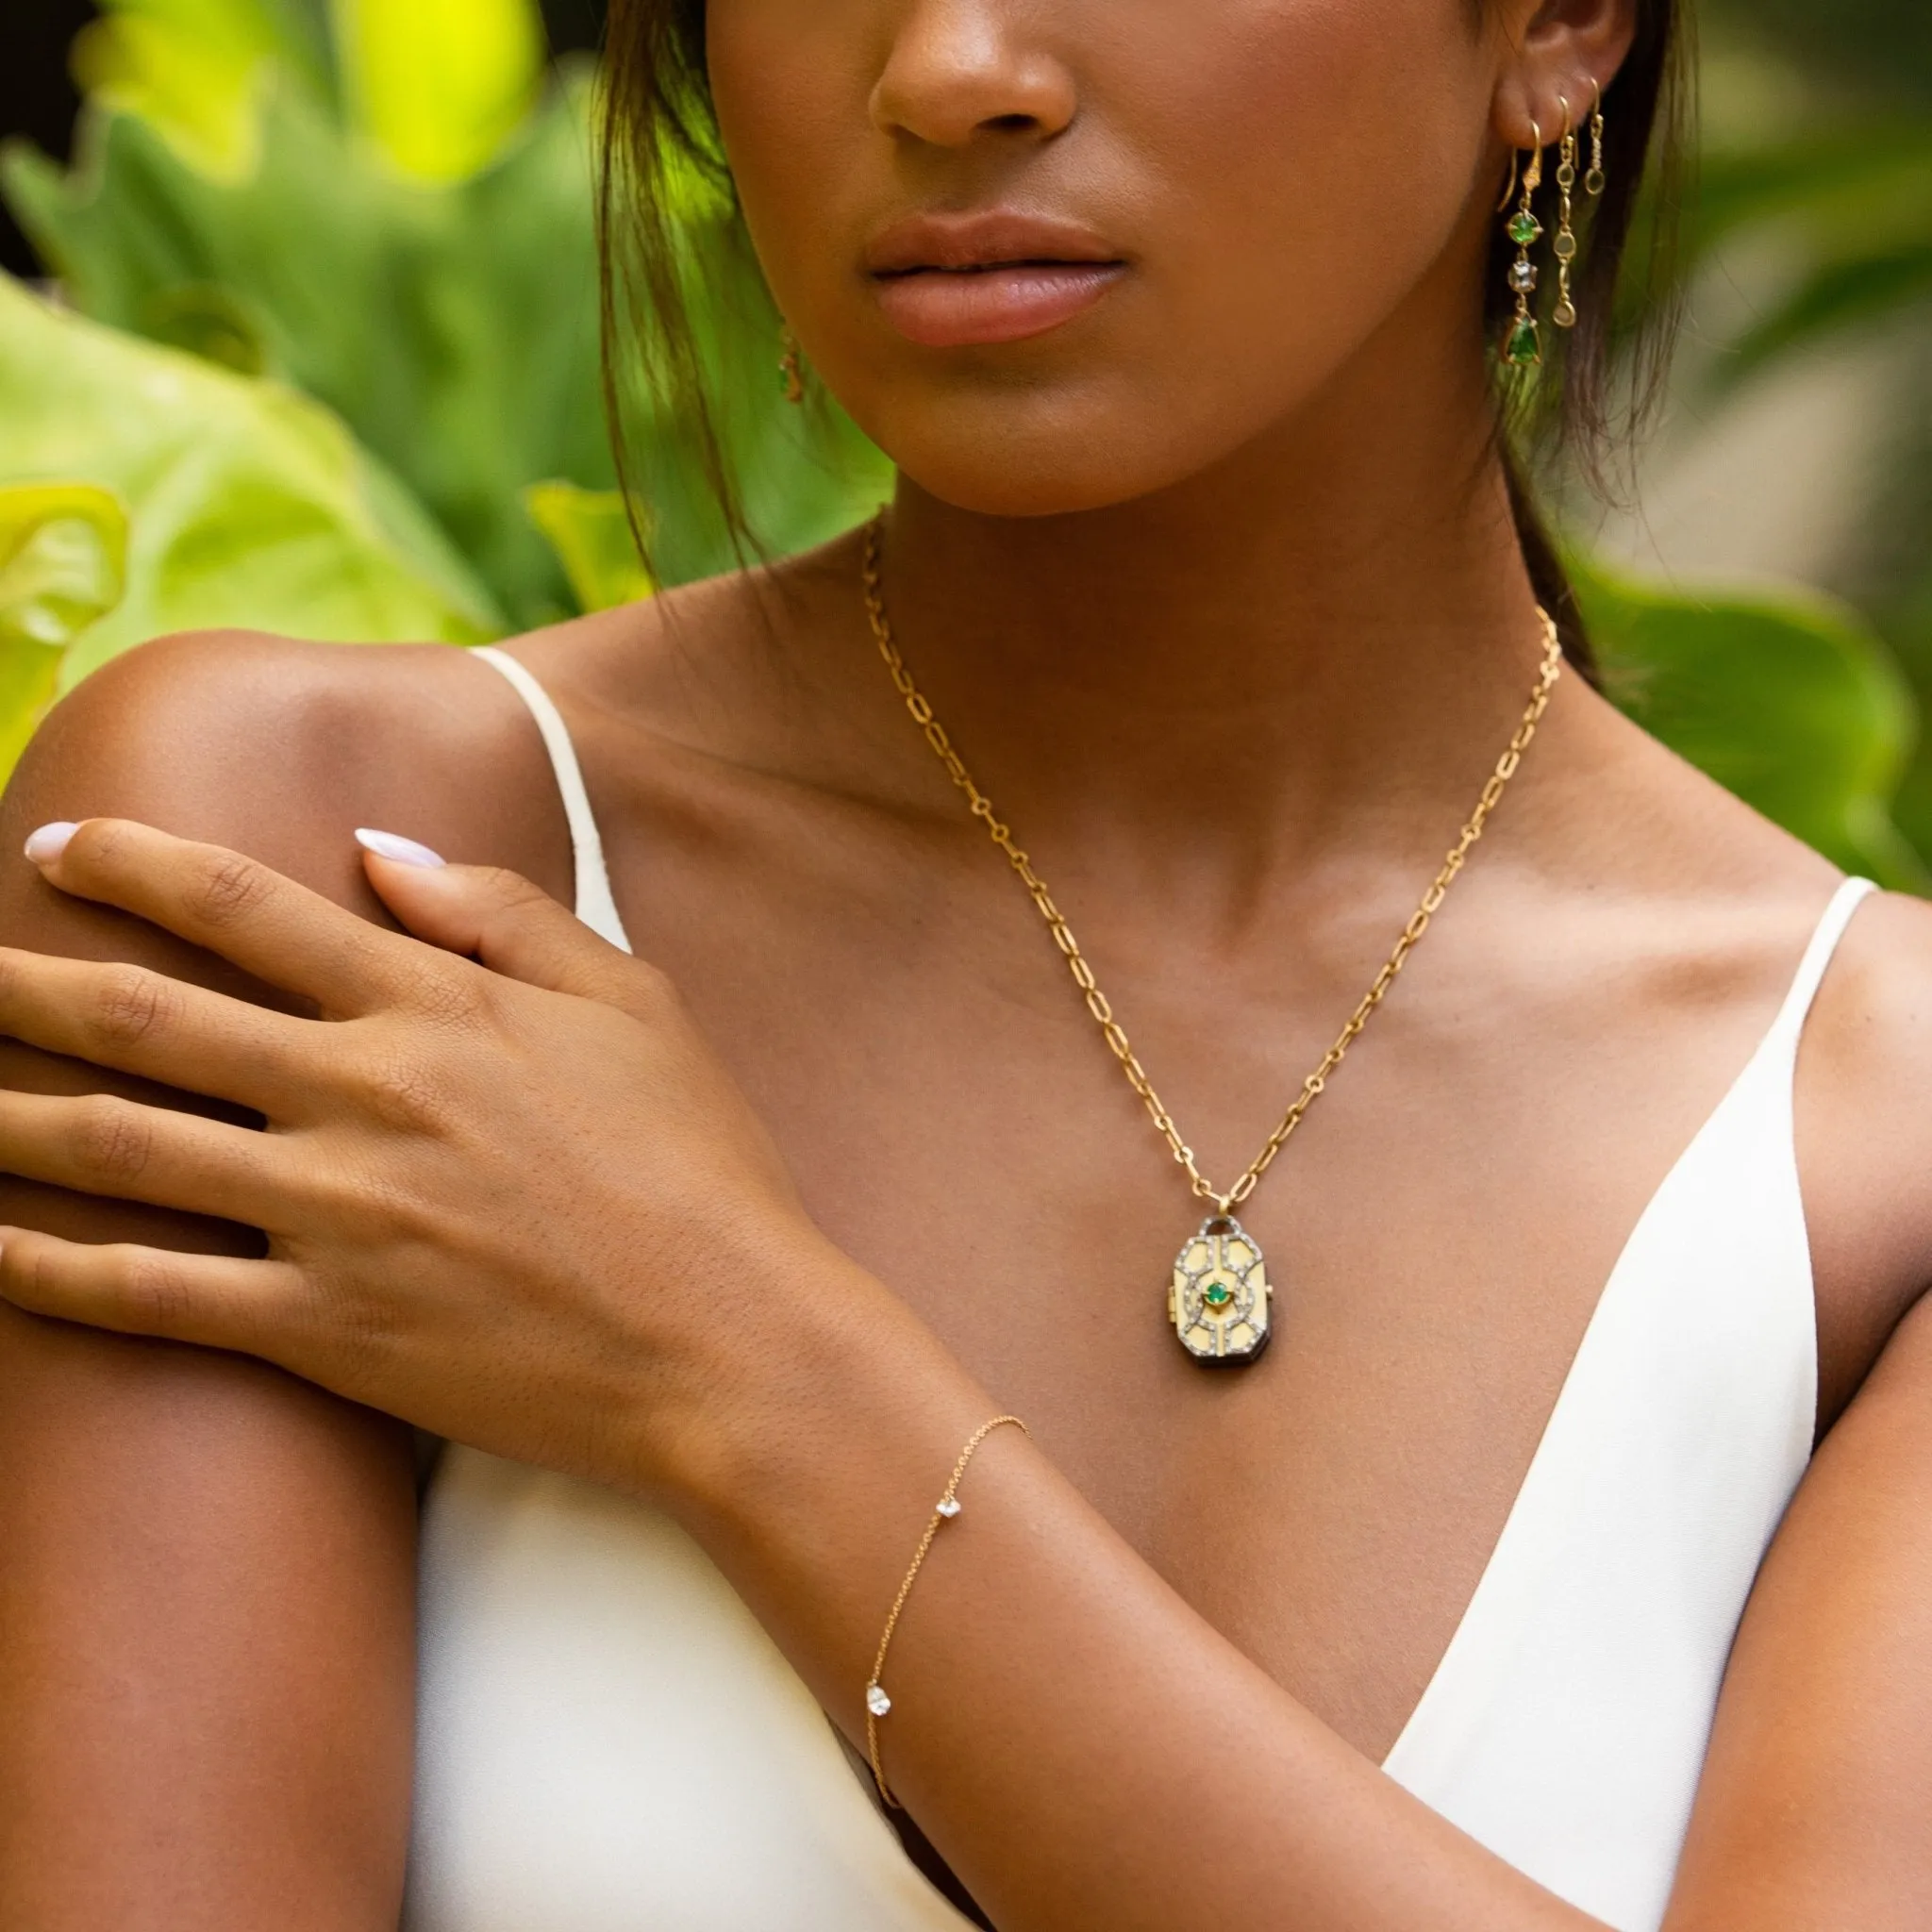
595, 905
1818, 957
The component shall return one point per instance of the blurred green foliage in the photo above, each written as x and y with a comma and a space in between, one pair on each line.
1819, 178
1787, 700
245, 502
335, 370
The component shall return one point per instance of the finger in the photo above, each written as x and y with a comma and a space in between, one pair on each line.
143, 1022
98, 1143
214, 1301
232, 906
510, 925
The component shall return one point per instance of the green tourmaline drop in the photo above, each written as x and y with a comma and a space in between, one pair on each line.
1525, 228
1522, 348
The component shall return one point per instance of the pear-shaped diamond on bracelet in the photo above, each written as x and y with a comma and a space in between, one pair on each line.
876, 1701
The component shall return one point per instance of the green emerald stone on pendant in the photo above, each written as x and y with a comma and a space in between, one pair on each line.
1525, 228
1523, 347
1217, 1294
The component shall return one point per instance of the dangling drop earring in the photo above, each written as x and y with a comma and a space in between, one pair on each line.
1523, 345
1594, 181
1564, 314
792, 365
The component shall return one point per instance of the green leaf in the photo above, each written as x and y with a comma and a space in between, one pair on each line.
1832, 300
440, 85
64, 550
456, 330
591, 531
248, 506
1785, 698
1844, 183
190, 68
63, 560
1852, 207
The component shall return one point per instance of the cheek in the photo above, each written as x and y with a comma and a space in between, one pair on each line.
1283, 173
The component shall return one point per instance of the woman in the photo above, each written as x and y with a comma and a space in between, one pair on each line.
726, 1270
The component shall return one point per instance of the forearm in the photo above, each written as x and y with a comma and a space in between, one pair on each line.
1082, 1747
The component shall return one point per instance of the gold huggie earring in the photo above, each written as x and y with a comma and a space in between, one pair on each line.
1564, 314
792, 365
1593, 182
1522, 344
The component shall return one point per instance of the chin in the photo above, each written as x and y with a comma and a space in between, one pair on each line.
1033, 456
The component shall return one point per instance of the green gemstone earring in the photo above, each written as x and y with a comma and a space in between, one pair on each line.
1523, 345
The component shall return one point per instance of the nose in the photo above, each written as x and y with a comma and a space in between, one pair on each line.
961, 71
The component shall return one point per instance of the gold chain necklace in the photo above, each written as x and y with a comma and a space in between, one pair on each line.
1219, 1299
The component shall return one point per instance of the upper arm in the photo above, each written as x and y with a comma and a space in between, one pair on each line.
1816, 1808
206, 1566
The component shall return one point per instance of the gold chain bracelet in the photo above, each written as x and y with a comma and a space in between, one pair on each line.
878, 1703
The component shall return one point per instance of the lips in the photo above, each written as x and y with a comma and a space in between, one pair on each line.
950, 280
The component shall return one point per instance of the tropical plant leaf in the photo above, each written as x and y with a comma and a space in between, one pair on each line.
1785, 699
249, 505
455, 329
63, 553
591, 531
63, 560
1831, 301
1843, 186
440, 85
193, 69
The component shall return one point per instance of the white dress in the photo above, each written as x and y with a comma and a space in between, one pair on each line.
609, 1742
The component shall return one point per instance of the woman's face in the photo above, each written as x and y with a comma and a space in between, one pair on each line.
1057, 254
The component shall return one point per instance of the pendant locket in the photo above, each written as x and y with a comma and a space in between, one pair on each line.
1220, 1301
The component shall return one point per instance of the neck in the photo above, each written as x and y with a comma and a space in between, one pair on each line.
1313, 652
1341, 606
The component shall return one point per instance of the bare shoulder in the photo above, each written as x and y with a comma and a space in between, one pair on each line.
282, 748
1865, 1119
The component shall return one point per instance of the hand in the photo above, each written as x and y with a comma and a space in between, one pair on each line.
518, 1202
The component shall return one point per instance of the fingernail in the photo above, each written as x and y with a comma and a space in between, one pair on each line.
393, 845
50, 842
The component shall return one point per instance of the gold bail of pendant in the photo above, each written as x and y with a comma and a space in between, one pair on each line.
1221, 1299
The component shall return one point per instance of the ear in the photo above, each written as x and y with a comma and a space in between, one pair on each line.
1556, 51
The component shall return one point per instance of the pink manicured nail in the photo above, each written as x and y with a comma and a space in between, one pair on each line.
50, 842
393, 845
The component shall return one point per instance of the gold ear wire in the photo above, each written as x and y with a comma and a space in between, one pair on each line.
1509, 186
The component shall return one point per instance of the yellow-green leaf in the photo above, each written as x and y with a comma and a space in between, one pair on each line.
63, 560
63, 555
592, 535
440, 85
248, 506
193, 69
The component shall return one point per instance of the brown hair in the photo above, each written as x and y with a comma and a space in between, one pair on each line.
1596, 386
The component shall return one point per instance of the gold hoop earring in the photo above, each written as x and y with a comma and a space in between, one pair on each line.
791, 366
1564, 314
1522, 346
1595, 181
